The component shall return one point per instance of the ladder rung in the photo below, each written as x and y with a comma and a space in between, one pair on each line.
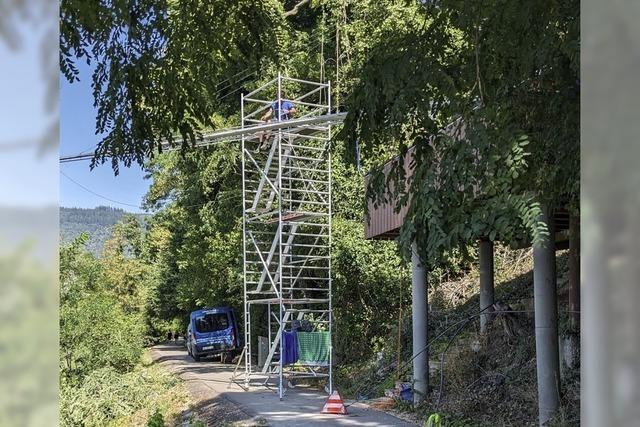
299, 168
317, 181
303, 147
311, 159
310, 202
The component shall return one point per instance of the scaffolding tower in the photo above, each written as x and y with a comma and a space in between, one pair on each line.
286, 185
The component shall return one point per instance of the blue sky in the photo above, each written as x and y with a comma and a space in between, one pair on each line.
77, 134
32, 179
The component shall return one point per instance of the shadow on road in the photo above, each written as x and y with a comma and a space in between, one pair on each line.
217, 400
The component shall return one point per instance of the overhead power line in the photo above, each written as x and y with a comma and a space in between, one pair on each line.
76, 157
218, 199
98, 195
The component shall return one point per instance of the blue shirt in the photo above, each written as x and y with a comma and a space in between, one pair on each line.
286, 106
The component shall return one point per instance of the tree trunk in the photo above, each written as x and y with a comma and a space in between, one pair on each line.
574, 273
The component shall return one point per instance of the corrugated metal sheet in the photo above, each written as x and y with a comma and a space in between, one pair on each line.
383, 222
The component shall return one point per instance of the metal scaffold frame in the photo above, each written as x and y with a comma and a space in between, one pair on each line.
286, 226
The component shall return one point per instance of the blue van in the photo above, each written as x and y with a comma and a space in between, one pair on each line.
213, 331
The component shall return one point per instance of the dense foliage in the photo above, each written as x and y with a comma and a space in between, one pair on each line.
109, 397
104, 331
101, 322
158, 65
194, 241
504, 77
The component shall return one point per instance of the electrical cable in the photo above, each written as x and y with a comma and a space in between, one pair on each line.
96, 194
370, 385
235, 75
230, 196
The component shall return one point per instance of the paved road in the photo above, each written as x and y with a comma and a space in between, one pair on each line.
219, 401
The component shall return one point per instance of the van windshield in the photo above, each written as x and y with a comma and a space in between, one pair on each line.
212, 322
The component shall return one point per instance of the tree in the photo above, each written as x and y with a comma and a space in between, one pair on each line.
124, 270
504, 76
194, 239
98, 327
158, 66
367, 290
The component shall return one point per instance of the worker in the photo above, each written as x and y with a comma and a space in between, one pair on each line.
275, 114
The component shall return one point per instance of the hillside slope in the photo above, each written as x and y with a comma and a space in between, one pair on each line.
96, 221
487, 380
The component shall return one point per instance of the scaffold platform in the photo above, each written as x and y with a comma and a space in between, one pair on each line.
286, 228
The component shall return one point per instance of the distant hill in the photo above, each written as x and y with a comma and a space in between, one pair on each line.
96, 221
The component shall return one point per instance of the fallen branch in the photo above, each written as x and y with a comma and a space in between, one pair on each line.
508, 319
296, 8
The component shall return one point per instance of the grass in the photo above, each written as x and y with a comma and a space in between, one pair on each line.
146, 396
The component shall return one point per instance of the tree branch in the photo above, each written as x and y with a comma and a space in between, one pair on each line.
296, 8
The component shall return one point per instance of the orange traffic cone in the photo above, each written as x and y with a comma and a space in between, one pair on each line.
334, 405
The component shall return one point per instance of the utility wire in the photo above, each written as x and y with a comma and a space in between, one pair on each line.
240, 80
89, 156
318, 44
229, 196
76, 157
86, 155
98, 195
234, 76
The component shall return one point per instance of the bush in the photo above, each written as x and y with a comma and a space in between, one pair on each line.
106, 395
96, 333
368, 277
156, 420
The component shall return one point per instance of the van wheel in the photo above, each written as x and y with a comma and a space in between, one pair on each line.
195, 357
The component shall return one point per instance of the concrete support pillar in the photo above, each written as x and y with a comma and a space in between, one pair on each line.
546, 323
574, 272
419, 317
485, 255
600, 355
